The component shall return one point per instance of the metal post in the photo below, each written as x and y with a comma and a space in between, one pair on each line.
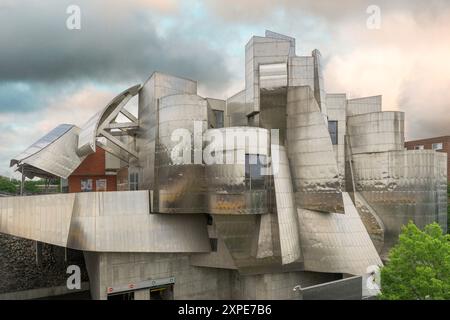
22, 182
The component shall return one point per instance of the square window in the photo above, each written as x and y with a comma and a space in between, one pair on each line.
420, 147
86, 185
100, 185
438, 146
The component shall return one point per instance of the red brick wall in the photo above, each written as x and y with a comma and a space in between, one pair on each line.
427, 143
93, 167
94, 164
75, 182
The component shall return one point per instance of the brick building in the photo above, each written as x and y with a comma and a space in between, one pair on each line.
441, 144
96, 173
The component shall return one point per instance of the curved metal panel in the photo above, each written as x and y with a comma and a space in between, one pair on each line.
54, 154
229, 192
180, 174
364, 105
89, 130
376, 132
336, 243
286, 210
402, 186
156, 87
314, 167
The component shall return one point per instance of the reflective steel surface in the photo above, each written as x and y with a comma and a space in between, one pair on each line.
102, 221
328, 196
314, 167
55, 154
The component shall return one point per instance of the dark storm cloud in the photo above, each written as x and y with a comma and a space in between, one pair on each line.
116, 42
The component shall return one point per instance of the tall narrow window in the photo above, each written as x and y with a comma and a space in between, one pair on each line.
218, 115
134, 181
254, 164
333, 129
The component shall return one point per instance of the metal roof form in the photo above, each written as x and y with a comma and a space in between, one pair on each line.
53, 155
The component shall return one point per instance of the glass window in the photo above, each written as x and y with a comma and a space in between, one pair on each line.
254, 165
134, 181
86, 185
333, 129
218, 115
421, 147
213, 242
100, 185
438, 146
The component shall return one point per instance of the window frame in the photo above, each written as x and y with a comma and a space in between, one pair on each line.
335, 141
437, 144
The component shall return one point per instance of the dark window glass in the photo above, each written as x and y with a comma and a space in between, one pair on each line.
333, 129
254, 165
122, 296
218, 115
209, 220
213, 244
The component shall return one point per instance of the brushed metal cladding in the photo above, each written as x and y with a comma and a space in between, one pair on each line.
262, 50
376, 132
373, 223
120, 222
336, 109
216, 105
271, 34
301, 72
319, 83
180, 186
272, 76
336, 243
317, 184
364, 105
265, 237
54, 154
273, 111
228, 192
286, 209
402, 186
240, 234
221, 258
157, 86
89, 131
237, 110
44, 218
102, 222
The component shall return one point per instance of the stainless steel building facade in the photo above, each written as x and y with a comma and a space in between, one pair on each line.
281, 185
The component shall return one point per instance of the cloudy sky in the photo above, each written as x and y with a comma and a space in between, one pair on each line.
50, 74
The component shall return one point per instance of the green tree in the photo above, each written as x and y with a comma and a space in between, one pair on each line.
448, 209
7, 186
418, 266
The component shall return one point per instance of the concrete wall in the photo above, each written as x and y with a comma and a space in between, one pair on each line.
191, 282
